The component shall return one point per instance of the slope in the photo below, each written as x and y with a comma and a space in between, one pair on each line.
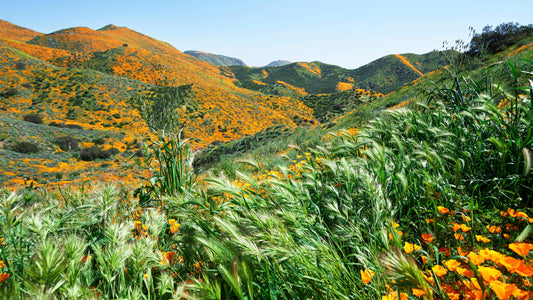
224, 109
216, 59
17, 33
382, 75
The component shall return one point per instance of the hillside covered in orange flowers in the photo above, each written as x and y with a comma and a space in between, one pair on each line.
89, 79
89, 85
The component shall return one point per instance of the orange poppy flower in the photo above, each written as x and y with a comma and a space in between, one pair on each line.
482, 239
510, 263
494, 229
452, 264
524, 270
503, 290
464, 272
459, 236
521, 248
408, 247
476, 259
3, 277
442, 209
461, 251
466, 218
427, 237
488, 273
439, 270
366, 275
418, 292
491, 255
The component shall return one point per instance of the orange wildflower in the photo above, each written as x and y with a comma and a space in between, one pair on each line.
489, 274
491, 255
521, 249
3, 277
510, 263
476, 259
394, 296
465, 272
408, 247
427, 237
452, 264
174, 226
503, 290
442, 209
366, 275
481, 238
494, 229
439, 270
466, 218
459, 236
524, 270
418, 292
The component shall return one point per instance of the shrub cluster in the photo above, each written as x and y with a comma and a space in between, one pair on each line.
94, 152
33, 118
63, 125
25, 147
67, 143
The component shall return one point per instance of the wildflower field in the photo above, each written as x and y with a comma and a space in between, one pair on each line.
429, 199
429, 202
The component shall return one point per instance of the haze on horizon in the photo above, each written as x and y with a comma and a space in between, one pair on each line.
340, 32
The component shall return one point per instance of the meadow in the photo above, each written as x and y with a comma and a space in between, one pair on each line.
430, 200
425, 193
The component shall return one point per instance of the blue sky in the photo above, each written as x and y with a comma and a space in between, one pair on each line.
344, 33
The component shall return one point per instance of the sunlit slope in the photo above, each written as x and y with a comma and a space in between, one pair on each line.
17, 33
90, 107
226, 111
382, 75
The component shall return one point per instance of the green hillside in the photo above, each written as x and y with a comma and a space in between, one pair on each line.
216, 59
383, 75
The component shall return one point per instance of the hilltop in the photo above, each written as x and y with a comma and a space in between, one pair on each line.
278, 63
216, 59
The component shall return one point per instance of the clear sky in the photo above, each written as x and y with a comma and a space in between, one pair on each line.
341, 32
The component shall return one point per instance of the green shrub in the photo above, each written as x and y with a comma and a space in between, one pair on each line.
25, 147
93, 153
33, 118
67, 143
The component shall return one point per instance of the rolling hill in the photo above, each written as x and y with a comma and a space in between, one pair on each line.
90, 80
383, 75
216, 59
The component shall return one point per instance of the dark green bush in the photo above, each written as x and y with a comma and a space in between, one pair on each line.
33, 118
25, 147
67, 143
93, 153
11, 92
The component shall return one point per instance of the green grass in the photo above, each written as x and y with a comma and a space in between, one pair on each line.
305, 229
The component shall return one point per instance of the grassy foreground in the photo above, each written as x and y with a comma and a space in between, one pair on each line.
431, 202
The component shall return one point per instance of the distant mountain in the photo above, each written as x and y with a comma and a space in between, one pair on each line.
383, 75
278, 63
216, 59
